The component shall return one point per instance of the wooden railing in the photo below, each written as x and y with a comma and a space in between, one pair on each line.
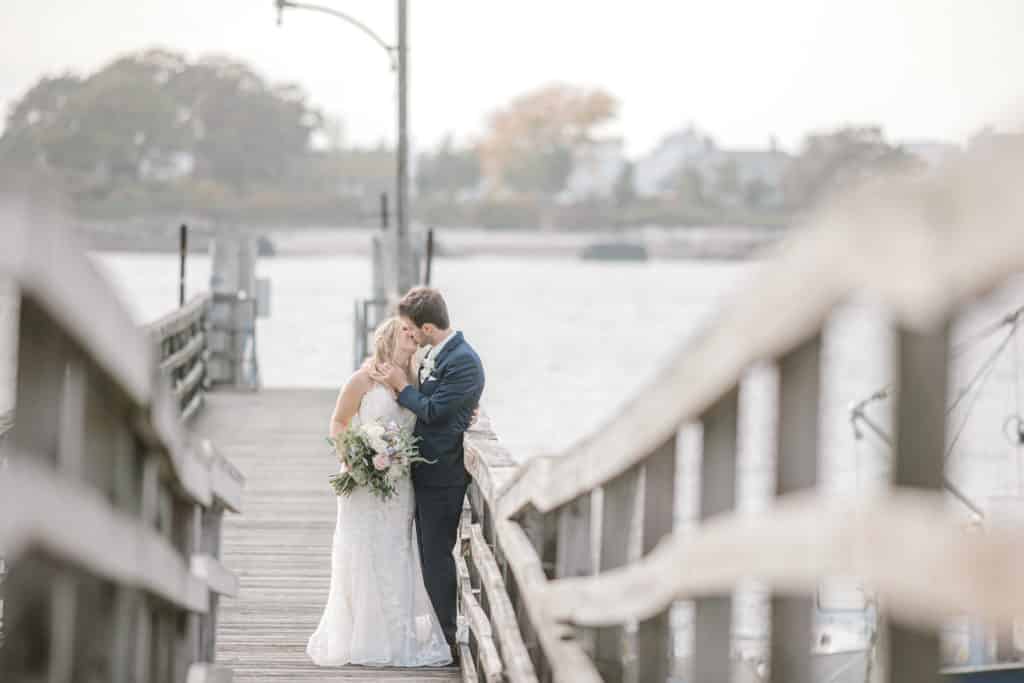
181, 338
109, 512
580, 548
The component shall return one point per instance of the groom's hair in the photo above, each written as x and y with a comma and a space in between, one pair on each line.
425, 305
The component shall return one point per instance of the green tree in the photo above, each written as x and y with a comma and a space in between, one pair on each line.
149, 105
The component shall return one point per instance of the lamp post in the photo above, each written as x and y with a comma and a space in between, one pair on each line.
398, 58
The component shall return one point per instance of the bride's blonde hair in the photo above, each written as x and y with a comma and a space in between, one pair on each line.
385, 340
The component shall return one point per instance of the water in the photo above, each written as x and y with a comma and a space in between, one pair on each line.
565, 343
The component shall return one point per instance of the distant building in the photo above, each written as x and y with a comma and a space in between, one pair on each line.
723, 176
656, 173
758, 176
596, 170
166, 167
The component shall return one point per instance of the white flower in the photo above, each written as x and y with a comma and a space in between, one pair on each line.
375, 435
427, 367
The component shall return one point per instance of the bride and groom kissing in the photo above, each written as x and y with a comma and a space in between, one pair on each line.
393, 579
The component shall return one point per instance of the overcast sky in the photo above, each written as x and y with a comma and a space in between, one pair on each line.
743, 70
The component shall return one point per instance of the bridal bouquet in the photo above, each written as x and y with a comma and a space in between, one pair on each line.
373, 455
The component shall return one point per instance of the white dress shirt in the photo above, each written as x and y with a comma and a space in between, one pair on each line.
435, 351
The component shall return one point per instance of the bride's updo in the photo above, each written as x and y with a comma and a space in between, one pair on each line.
385, 340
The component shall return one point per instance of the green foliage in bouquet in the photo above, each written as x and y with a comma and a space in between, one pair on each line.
375, 456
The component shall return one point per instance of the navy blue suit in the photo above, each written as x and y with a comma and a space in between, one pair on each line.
444, 406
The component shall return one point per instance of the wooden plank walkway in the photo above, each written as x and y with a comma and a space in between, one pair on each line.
280, 546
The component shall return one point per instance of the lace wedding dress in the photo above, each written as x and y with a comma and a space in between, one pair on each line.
378, 612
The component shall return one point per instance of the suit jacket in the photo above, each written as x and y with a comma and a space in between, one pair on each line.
444, 406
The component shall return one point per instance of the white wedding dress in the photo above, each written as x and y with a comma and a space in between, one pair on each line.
378, 612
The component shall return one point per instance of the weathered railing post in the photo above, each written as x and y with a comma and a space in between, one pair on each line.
713, 615
101, 499
620, 528
655, 653
922, 376
796, 457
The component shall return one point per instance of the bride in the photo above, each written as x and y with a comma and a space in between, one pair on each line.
378, 612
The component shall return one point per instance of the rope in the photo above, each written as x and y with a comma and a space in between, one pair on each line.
984, 369
1011, 318
979, 379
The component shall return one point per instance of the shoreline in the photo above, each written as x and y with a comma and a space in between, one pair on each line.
659, 244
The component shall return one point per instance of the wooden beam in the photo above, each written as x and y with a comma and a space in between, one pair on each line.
180, 319
518, 667
220, 579
568, 661
805, 538
39, 242
490, 660
182, 356
39, 508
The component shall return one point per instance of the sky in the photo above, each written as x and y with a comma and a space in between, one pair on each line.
744, 71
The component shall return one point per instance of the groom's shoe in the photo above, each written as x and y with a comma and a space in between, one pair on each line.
456, 657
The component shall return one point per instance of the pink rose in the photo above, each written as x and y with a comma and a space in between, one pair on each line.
381, 461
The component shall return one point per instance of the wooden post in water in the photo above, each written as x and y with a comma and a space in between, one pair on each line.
183, 255
430, 256
232, 320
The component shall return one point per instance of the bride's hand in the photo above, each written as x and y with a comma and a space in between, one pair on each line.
390, 376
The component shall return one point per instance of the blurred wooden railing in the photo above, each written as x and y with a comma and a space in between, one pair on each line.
109, 512
580, 550
181, 339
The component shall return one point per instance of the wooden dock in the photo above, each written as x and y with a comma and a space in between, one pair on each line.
281, 547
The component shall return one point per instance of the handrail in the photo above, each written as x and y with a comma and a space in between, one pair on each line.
181, 319
39, 510
922, 248
46, 261
101, 477
883, 242
889, 543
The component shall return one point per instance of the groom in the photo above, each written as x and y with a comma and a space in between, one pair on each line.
450, 384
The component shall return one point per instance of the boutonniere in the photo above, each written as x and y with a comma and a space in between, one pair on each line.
427, 368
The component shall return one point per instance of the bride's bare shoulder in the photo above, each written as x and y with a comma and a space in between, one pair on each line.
359, 383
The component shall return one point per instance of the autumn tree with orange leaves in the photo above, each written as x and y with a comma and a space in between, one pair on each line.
528, 144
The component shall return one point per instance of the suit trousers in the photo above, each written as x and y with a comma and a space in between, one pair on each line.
438, 511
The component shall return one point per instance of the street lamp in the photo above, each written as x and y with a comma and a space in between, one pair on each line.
397, 56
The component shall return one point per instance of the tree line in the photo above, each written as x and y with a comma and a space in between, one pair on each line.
157, 133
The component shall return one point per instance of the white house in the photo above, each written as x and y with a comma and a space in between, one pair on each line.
655, 173
162, 168
596, 169
728, 176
